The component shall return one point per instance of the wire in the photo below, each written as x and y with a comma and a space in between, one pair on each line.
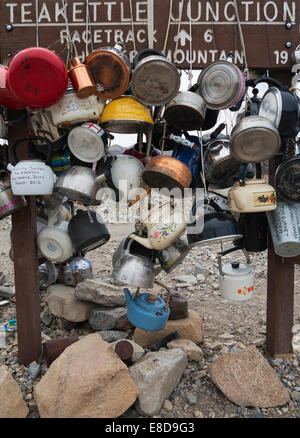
132, 26
246, 70
168, 26
37, 23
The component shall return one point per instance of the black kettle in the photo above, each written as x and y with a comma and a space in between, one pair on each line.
87, 231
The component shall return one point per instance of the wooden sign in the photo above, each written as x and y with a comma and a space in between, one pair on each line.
192, 33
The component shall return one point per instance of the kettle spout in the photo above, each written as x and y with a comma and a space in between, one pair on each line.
142, 240
128, 296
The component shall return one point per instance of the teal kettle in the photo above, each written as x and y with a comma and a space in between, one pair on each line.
146, 311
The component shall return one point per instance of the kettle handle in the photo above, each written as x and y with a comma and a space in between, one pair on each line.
145, 52
14, 146
243, 170
228, 251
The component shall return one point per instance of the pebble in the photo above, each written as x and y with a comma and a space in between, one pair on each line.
191, 280
295, 396
198, 414
242, 411
168, 405
34, 370
191, 398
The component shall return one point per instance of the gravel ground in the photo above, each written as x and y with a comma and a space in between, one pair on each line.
226, 325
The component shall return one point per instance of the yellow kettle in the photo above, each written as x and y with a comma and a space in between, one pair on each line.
126, 115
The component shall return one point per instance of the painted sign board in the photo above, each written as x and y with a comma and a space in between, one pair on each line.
192, 33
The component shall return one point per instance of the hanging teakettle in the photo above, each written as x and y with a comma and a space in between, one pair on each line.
81, 79
9, 203
110, 70
163, 228
186, 111
146, 311
236, 281
251, 195
155, 80
87, 142
32, 176
287, 176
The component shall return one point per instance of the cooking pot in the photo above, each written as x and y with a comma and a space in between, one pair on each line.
284, 224
163, 228
110, 70
7, 98
54, 241
147, 312
81, 79
33, 176
167, 172
251, 195
133, 270
254, 227
88, 231
281, 108
220, 166
126, 115
87, 142
221, 85
155, 80
72, 110
122, 173
186, 111
77, 270
38, 77
173, 255
216, 227
254, 139
9, 203
236, 281
78, 184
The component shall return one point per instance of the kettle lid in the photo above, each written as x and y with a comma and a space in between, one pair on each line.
157, 306
236, 269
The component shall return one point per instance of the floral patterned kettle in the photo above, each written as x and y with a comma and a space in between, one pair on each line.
163, 228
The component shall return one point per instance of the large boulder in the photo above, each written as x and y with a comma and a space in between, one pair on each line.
99, 292
156, 376
88, 380
187, 328
247, 379
62, 303
12, 404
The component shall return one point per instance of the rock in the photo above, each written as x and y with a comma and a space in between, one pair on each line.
106, 318
295, 396
138, 351
62, 303
198, 414
53, 349
99, 292
187, 328
6, 292
192, 351
112, 335
156, 375
46, 318
34, 370
191, 280
88, 380
168, 405
12, 404
247, 379
2, 278
191, 399
4, 303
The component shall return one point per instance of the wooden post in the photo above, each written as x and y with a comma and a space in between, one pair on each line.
280, 287
26, 267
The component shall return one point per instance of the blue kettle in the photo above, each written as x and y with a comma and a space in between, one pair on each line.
147, 311
188, 151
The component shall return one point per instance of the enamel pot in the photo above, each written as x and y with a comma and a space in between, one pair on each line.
155, 80
38, 77
31, 177
88, 231
236, 280
7, 98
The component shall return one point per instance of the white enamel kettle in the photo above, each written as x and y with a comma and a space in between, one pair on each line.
163, 228
236, 280
33, 176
